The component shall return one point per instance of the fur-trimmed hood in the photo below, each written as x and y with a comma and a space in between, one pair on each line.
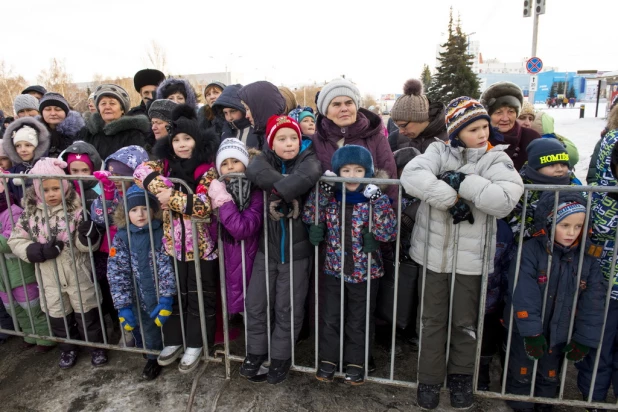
70, 126
165, 85
31, 202
120, 218
41, 131
96, 124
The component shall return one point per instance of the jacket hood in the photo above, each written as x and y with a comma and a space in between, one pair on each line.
168, 86
96, 124
437, 123
70, 126
545, 206
205, 150
81, 147
228, 98
31, 201
120, 218
41, 131
264, 100
131, 156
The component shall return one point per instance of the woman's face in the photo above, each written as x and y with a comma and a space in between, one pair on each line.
110, 109
525, 120
211, 95
158, 128
91, 106
53, 116
183, 145
504, 118
177, 97
342, 111
248, 113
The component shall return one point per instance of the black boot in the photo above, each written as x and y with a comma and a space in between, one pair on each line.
278, 370
428, 396
251, 365
461, 391
483, 379
151, 370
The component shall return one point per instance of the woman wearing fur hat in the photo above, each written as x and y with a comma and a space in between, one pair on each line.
361, 200
160, 114
419, 122
341, 121
178, 90
189, 155
25, 141
62, 123
229, 107
109, 129
261, 100
206, 115
503, 102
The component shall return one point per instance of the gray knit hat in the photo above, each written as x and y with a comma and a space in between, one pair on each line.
115, 91
413, 105
336, 88
502, 94
24, 102
54, 99
162, 109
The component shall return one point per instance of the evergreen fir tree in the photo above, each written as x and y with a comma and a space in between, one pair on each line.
571, 92
553, 92
426, 77
454, 76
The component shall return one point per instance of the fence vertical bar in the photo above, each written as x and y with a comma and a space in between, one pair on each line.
342, 286
316, 221
267, 276
451, 298
368, 303
422, 300
291, 263
396, 289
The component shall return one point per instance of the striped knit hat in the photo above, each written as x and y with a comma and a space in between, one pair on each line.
460, 112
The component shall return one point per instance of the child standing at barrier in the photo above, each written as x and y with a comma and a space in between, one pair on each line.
25, 292
83, 160
120, 163
359, 239
241, 214
463, 186
42, 235
288, 246
25, 141
134, 256
541, 333
548, 164
188, 154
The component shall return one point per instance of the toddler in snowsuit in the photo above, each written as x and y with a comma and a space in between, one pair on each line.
291, 155
542, 333
241, 214
58, 243
136, 261
187, 153
355, 244
463, 186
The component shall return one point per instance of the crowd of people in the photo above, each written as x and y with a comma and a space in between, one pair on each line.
462, 166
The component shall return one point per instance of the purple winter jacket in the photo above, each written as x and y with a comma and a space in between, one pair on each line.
366, 132
247, 226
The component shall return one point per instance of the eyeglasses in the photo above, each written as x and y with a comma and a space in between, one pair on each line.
403, 126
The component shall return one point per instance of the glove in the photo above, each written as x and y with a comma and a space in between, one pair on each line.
316, 233
575, 351
452, 178
460, 212
52, 249
535, 346
34, 252
370, 244
108, 186
328, 187
218, 194
87, 230
163, 310
274, 206
294, 209
127, 319
372, 192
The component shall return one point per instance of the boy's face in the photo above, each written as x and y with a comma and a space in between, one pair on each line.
232, 165
555, 170
569, 228
139, 216
286, 144
232, 114
52, 191
352, 170
5, 163
25, 150
79, 168
476, 134
307, 126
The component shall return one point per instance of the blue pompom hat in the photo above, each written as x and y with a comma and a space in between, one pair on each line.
353, 154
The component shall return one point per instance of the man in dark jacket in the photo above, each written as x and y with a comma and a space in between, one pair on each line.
146, 82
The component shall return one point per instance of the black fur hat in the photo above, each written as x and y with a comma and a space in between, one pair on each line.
184, 120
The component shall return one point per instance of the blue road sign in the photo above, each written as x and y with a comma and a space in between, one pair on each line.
534, 65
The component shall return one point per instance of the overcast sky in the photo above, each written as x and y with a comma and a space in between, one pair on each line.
377, 46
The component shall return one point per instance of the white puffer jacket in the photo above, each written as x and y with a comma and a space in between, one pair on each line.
491, 188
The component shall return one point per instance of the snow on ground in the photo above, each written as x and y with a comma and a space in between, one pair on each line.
584, 133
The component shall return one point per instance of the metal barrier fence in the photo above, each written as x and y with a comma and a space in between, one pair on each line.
306, 360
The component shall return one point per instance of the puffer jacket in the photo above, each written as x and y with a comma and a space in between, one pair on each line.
384, 228
124, 264
153, 177
366, 132
65, 133
109, 138
561, 279
266, 171
12, 263
605, 210
72, 263
91, 187
435, 130
491, 188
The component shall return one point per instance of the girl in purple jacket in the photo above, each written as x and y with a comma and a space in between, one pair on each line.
241, 211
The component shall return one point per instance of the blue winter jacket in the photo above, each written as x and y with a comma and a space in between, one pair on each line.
534, 278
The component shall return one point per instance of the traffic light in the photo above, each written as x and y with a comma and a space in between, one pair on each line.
527, 8
539, 7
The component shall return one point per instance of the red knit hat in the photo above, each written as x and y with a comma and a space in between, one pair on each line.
277, 122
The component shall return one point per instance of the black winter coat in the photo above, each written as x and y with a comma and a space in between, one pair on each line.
266, 171
108, 138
